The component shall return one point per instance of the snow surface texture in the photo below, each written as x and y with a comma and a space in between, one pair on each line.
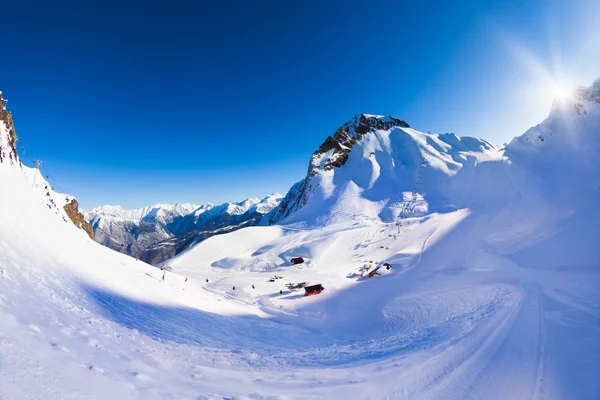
158, 232
493, 292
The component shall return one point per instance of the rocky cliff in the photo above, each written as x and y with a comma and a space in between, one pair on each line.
9, 150
76, 216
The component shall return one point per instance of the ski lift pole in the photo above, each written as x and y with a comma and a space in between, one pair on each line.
38, 164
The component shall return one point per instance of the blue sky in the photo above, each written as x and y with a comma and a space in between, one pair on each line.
136, 103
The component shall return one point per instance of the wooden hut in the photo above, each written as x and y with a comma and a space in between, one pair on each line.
297, 260
313, 289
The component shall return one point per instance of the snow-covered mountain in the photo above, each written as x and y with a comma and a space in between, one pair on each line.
373, 165
492, 291
156, 233
132, 231
210, 217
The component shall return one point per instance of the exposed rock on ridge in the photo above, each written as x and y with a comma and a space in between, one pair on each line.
333, 153
72, 210
11, 152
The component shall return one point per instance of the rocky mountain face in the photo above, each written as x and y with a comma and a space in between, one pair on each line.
8, 145
132, 231
156, 233
77, 217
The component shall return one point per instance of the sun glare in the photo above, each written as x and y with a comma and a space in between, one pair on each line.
561, 90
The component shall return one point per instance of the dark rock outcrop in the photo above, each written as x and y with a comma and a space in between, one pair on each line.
72, 210
346, 137
11, 152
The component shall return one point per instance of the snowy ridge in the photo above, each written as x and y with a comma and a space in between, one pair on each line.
550, 139
40, 189
106, 217
230, 213
161, 212
169, 229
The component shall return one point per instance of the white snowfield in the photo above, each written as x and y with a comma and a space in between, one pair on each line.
494, 290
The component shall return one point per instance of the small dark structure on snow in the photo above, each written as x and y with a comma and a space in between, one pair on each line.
297, 260
294, 286
387, 266
374, 272
313, 289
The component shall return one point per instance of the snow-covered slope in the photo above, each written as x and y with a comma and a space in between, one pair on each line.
156, 233
493, 291
60, 204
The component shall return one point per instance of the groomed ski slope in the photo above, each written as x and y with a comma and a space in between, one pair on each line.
500, 300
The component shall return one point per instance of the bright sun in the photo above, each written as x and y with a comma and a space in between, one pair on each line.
561, 90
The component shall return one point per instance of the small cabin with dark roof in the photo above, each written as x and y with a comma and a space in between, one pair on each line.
313, 289
297, 260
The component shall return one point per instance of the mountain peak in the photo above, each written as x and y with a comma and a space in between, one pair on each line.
339, 145
570, 128
363, 123
333, 153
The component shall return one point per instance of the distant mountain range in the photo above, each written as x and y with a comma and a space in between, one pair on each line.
159, 232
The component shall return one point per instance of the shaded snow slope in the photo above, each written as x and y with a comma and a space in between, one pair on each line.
493, 292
